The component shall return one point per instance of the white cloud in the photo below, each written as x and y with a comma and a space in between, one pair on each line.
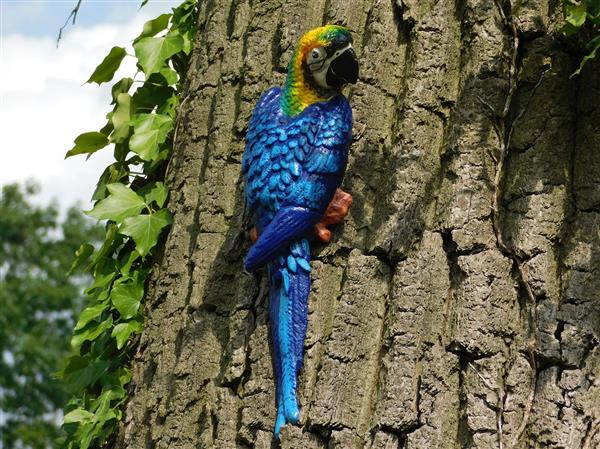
44, 106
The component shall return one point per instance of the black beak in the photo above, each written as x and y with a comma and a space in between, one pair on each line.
343, 69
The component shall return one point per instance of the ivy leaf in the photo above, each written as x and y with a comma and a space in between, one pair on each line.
90, 332
100, 282
169, 106
150, 130
78, 415
88, 143
120, 204
126, 297
187, 42
86, 433
113, 173
576, 14
122, 332
145, 144
81, 371
145, 229
121, 117
81, 255
154, 26
170, 75
594, 45
109, 240
152, 52
89, 313
127, 262
120, 87
107, 68
155, 192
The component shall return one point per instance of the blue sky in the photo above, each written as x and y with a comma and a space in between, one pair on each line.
44, 104
45, 17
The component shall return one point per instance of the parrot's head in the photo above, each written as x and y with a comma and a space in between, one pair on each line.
323, 62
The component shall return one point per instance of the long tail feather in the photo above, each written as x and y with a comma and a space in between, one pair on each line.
289, 277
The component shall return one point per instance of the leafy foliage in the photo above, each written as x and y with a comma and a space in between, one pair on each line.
38, 302
579, 15
131, 196
106, 70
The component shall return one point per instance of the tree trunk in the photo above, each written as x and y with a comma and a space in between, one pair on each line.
459, 304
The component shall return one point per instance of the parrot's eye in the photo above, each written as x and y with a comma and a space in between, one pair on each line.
315, 55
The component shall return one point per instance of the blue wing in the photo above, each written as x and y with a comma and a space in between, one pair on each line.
292, 167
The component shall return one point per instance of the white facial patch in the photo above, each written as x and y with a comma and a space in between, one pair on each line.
319, 68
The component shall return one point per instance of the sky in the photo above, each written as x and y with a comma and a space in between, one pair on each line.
44, 103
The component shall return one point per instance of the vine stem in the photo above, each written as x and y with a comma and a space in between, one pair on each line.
504, 134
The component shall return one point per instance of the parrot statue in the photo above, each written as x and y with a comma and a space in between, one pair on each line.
293, 164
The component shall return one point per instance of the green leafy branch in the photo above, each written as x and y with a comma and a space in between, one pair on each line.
578, 13
131, 197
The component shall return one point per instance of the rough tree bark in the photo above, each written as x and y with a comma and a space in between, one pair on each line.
458, 306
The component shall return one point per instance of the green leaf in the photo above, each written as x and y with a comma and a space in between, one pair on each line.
145, 229
594, 45
101, 281
122, 332
88, 143
575, 14
170, 75
152, 52
120, 87
81, 255
148, 97
127, 262
107, 68
81, 372
169, 106
150, 130
78, 415
121, 117
90, 332
89, 313
126, 297
120, 204
85, 434
187, 42
116, 172
154, 26
155, 192
109, 240
569, 30
145, 144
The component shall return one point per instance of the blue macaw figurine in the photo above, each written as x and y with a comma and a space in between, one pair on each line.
296, 153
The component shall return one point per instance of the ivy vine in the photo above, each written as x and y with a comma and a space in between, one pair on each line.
583, 16
131, 197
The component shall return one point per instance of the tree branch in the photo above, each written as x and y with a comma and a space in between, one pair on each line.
73, 14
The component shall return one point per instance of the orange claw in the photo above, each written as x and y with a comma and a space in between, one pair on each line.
323, 233
253, 235
336, 212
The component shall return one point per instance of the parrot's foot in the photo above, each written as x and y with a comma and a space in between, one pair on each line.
253, 235
336, 212
323, 233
